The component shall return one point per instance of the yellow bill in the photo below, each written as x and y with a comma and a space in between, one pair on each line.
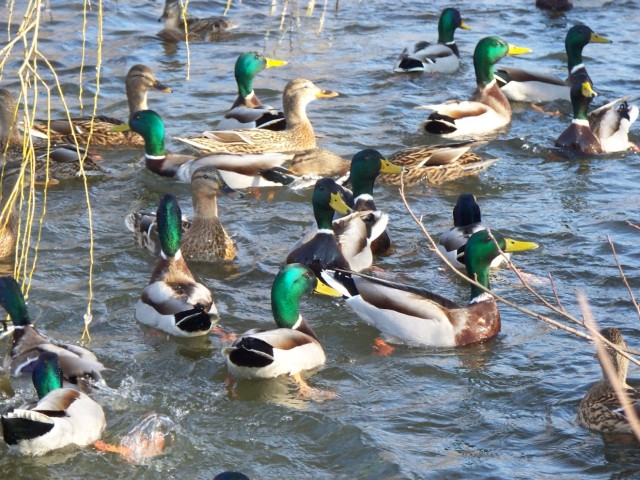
324, 289
514, 50
326, 94
388, 167
465, 26
587, 91
595, 38
337, 203
272, 62
121, 128
512, 245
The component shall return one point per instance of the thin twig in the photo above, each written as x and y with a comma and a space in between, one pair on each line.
624, 277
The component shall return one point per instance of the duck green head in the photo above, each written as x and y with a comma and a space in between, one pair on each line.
248, 65
12, 301
150, 126
47, 374
488, 52
480, 252
450, 19
581, 95
292, 282
327, 199
577, 38
366, 165
467, 211
169, 218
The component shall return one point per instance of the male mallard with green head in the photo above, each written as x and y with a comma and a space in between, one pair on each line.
416, 316
61, 417
467, 220
441, 57
488, 108
237, 170
173, 301
291, 348
526, 86
248, 111
366, 165
341, 243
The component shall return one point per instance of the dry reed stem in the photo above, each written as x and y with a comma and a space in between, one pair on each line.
499, 298
607, 367
183, 7
624, 277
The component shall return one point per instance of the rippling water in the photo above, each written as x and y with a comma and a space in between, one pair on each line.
504, 409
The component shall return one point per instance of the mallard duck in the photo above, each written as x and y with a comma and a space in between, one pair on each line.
62, 160
578, 135
199, 29
366, 165
488, 108
79, 366
204, 238
297, 137
61, 417
467, 220
600, 410
173, 301
139, 80
237, 170
342, 243
417, 316
526, 86
247, 111
291, 348
437, 164
442, 57
611, 124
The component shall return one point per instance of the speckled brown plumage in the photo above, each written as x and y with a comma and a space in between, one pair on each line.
600, 410
436, 164
200, 29
297, 137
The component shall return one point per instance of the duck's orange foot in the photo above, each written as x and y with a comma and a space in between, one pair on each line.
381, 348
542, 110
223, 335
633, 147
111, 448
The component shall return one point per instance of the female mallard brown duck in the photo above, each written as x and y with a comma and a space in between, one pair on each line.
61, 417
139, 80
204, 238
291, 348
173, 301
297, 137
527, 86
488, 108
79, 365
416, 316
441, 57
600, 410
437, 164
63, 159
248, 111
199, 29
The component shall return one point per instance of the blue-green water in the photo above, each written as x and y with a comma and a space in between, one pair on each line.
504, 409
